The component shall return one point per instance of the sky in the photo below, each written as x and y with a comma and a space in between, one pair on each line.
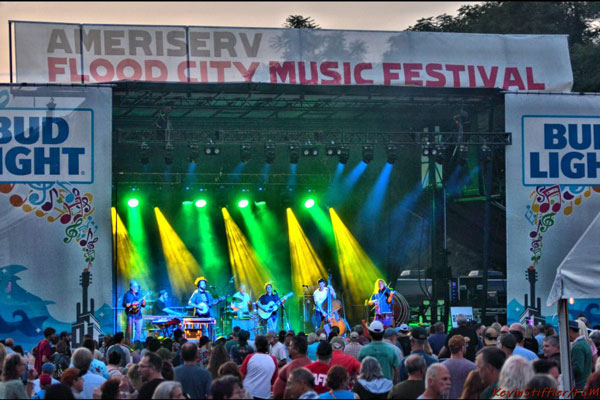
367, 15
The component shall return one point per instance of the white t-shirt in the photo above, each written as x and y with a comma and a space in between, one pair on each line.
278, 351
90, 382
241, 301
320, 295
260, 372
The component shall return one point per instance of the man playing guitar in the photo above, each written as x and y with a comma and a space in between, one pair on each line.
263, 301
201, 298
319, 296
133, 302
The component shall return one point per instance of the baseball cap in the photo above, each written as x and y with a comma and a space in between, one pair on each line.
490, 336
418, 333
324, 349
458, 341
404, 328
573, 325
164, 353
354, 335
508, 340
322, 336
389, 332
376, 326
45, 379
221, 338
47, 368
337, 343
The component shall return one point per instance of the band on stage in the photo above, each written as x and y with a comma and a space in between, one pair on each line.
257, 317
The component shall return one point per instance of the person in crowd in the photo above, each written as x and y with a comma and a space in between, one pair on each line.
301, 385
404, 339
583, 331
519, 333
114, 364
13, 370
581, 356
320, 367
438, 338
110, 389
490, 337
44, 381
337, 382
227, 387
458, 366
338, 357
541, 386
592, 387
529, 340
549, 367
96, 367
168, 390
299, 358
474, 386
134, 377
150, 369
204, 348
390, 336
462, 329
353, 347
59, 391
194, 379
437, 382
507, 344
70, 377
60, 359
43, 353
277, 348
47, 369
489, 362
259, 370
379, 350
414, 386
551, 349
230, 368
104, 345
505, 329
218, 357
118, 344
538, 331
3, 354
313, 343
82, 359
371, 384
515, 374
362, 339
241, 349
497, 326
417, 342
233, 340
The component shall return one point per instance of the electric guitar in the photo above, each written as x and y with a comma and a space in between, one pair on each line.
203, 307
135, 307
265, 310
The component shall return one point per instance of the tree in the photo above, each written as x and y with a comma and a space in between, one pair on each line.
577, 19
300, 22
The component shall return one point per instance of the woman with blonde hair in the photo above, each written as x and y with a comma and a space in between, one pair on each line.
382, 300
514, 375
583, 331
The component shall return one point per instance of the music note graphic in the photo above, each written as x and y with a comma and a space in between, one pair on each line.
530, 215
568, 209
552, 198
35, 198
6, 187
47, 206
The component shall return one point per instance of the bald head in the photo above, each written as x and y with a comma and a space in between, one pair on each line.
516, 327
415, 366
437, 381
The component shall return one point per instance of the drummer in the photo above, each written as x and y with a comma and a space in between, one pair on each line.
241, 305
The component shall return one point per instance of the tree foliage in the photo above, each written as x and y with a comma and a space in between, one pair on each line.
300, 22
580, 20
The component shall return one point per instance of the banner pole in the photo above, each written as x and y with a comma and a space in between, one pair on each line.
565, 351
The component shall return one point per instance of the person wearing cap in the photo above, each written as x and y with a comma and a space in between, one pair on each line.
45, 381
320, 367
458, 366
353, 347
201, 295
381, 351
48, 369
581, 356
462, 329
517, 330
390, 336
418, 337
403, 341
298, 349
490, 337
338, 357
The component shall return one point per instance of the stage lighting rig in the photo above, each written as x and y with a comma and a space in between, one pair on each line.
144, 153
169, 149
310, 150
294, 154
463, 154
392, 153
343, 154
368, 153
269, 153
332, 149
194, 153
211, 149
245, 152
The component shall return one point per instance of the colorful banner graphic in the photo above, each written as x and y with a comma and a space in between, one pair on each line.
552, 197
55, 177
66, 53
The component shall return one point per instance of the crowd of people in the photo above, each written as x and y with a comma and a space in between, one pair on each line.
468, 362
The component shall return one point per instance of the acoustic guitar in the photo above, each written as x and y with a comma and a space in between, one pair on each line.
135, 307
266, 310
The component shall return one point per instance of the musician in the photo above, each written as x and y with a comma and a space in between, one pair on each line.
263, 301
201, 295
133, 309
160, 305
382, 299
319, 296
241, 301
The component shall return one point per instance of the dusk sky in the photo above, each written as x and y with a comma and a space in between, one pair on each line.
367, 15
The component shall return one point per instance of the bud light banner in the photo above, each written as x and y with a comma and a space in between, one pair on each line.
55, 196
552, 196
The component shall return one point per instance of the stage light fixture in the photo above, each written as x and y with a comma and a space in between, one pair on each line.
133, 203
211, 149
186, 203
332, 149
243, 203
486, 153
269, 153
392, 153
169, 149
144, 153
200, 203
294, 154
343, 154
245, 152
463, 154
194, 152
309, 203
368, 153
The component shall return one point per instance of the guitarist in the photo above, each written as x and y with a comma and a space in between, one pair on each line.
265, 299
319, 296
201, 295
133, 309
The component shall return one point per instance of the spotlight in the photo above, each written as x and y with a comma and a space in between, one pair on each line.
194, 153
392, 153
332, 149
367, 153
310, 150
211, 149
169, 148
309, 203
245, 152
463, 154
186, 202
269, 153
133, 203
440, 151
486, 153
200, 203
243, 203
343, 154
144, 150
294, 154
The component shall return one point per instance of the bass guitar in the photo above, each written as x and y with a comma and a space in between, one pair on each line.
203, 307
266, 310
134, 308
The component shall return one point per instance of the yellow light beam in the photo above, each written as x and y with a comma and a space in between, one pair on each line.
182, 267
245, 264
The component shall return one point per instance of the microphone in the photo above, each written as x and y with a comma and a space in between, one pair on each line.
212, 287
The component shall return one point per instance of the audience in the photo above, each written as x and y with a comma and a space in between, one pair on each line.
371, 383
353, 347
301, 385
169, 390
230, 368
458, 366
81, 359
218, 357
320, 367
489, 362
518, 332
438, 338
227, 387
70, 378
259, 370
381, 351
515, 374
337, 382
298, 349
437, 382
473, 387
414, 386
581, 356
541, 386
462, 329
150, 369
195, 380
417, 342
13, 370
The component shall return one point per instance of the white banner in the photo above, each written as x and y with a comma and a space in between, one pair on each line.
552, 195
55, 240
67, 53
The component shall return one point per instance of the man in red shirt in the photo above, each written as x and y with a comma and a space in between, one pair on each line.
298, 350
338, 357
42, 354
320, 368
